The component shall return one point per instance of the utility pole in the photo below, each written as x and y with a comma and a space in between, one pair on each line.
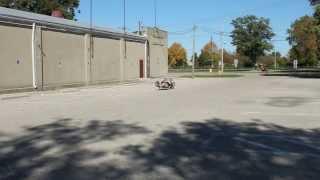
140, 27
222, 52
194, 49
124, 16
212, 55
91, 30
124, 28
91, 7
155, 13
275, 58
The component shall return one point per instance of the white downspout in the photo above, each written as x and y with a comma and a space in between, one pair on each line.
33, 46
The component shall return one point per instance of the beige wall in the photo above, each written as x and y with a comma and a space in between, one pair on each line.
15, 45
158, 59
105, 65
158, 49
135, 53
63, 58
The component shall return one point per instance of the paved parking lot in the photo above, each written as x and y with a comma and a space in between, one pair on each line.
249, 127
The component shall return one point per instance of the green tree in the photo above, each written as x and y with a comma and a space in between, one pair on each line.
269, 60
177, 55
316, 16
67, 7
252, 36
196, 57
283, 61
228, 58
304, 38
209, 54
314, 2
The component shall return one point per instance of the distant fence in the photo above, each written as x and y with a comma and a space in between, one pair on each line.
282, 69
186, 70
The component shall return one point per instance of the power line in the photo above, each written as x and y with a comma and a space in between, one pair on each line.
182, 32
124, 16
279, 40
91, 30
202, 28
242, 12
155, 12
212, 31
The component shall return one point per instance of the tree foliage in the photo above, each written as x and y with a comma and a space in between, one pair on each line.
67, 7
316, 14
228, 58
314, 2
252, 36
269, 60
209, 54
177, 55
303, 37
210, 47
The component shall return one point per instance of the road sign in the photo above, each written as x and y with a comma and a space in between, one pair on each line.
295, 64
236, 63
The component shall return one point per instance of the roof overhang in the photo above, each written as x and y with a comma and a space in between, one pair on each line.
27, 18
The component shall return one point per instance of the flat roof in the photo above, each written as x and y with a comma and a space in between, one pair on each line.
23, 17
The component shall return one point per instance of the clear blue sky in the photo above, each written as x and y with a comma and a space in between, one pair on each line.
209, 15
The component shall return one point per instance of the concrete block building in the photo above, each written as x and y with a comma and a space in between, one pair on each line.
40, 52
157, 51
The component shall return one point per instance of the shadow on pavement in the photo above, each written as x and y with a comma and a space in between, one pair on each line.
55, 151
214, 149
309, 75
218, 149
